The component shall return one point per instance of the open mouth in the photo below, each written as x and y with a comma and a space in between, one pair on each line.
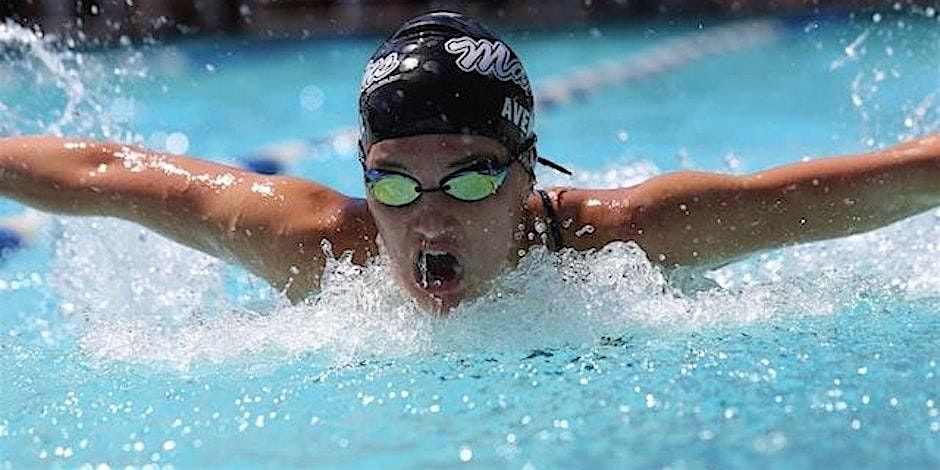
437, 271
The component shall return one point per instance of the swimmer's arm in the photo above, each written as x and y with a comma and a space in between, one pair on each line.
707, 219
271, 225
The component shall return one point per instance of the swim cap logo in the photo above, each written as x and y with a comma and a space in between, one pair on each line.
488, 58
379, 69
517, 114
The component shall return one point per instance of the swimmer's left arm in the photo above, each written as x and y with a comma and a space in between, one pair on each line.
708, 219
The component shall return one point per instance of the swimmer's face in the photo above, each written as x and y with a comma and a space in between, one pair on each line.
442, 249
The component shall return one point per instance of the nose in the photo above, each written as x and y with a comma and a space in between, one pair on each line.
433, 218
434, 230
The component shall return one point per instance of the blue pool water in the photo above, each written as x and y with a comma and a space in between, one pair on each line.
120, 348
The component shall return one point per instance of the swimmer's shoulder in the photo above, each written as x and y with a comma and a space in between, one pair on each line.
288, 225
589, 218
309, 213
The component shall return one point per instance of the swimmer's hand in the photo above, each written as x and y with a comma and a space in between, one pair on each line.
273, 226
705, 219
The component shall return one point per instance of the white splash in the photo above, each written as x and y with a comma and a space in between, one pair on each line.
39, 66
144, 299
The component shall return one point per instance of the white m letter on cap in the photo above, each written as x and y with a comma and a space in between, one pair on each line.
489, 58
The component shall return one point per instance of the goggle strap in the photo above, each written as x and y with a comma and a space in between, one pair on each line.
362, 155
554, 166
529, 157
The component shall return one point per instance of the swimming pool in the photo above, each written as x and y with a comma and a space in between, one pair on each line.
120, 348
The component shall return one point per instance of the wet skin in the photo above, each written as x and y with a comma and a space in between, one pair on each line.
274, 226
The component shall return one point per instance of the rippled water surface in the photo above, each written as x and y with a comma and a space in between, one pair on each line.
118, 347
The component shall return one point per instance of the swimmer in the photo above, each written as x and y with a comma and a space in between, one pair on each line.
448, 159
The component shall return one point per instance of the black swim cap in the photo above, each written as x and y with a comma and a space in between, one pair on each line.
445, 73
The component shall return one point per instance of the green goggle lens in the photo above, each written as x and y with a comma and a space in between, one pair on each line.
393, 189
473, 186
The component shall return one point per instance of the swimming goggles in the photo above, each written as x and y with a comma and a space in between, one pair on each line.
398, 189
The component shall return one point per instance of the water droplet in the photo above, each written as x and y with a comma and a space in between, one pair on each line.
587, 229
311, 98
177, 143
540, 226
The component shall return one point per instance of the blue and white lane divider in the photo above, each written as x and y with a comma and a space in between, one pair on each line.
559, 91
19, 231
277, 158
657, 59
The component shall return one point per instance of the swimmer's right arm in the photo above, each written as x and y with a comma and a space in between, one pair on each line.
272, 225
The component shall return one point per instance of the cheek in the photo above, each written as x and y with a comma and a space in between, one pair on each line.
493, 226
389, 225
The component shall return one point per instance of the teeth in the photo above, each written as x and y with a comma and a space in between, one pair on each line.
423, 267
423, 262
